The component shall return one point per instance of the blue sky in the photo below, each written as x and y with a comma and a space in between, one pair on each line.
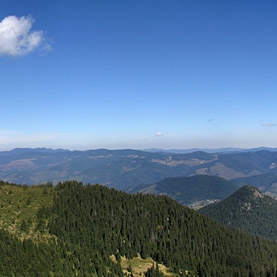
138, 74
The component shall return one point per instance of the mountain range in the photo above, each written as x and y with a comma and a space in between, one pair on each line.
211, 151
125, 169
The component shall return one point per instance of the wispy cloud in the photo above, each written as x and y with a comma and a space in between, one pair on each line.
268, 124
16, 37
159, 134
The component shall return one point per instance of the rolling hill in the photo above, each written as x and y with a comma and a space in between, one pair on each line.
190, 190
248, 210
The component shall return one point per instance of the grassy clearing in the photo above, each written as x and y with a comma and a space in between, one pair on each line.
19, 206
139, 266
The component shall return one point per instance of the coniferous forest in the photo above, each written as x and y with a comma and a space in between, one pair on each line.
91, 228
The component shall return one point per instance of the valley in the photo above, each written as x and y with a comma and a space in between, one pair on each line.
152, 215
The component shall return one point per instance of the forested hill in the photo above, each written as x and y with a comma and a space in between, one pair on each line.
248, 210
188, 190
92, 231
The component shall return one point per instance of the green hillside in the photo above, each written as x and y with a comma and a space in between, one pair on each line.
188, 190
19, 206
248, 210
96, 231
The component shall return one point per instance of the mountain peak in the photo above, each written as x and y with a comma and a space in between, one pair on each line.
247, 193
251, 191
247, 209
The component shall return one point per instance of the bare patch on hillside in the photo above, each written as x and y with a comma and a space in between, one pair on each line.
225, 172
149, 190
19, 165
171, 162
138, 266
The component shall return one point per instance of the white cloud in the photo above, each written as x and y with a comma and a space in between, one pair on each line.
16, 37
159, 134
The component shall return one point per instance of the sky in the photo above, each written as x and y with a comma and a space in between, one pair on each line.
88, 74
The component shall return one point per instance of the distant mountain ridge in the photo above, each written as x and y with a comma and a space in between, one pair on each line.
211, 151
266, 183
128, 168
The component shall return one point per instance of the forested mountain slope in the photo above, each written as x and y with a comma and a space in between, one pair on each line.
91, 228
188, 190
248, 210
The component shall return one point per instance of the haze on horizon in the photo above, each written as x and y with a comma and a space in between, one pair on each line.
138, 74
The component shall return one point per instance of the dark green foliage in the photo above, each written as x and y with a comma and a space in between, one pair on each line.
248, 210
187, 190
91, 223
96, 222
154, 272
23, 226
26, 259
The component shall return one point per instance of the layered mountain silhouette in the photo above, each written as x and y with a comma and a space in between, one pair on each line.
124, 169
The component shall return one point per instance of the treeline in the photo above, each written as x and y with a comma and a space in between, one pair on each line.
91, 223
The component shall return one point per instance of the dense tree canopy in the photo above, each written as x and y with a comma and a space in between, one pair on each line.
88, 224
